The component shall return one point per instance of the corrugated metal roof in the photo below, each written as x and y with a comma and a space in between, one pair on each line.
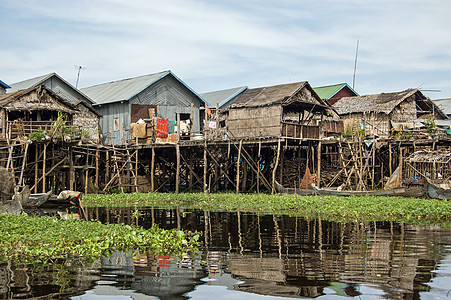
4, 85
26, 84
444, 105
125, 89
223, 96
33, 82
327, 92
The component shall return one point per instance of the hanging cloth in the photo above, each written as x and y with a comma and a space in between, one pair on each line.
162, 128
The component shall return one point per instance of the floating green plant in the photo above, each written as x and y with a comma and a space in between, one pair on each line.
328, 207
40, 238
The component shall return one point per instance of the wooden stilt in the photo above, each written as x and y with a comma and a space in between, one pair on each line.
152, 170
43, 167
238, 168
390, 159
258, 165
136, 170
24, 163
191, 173
205, 163
177, 170
97, 167
318, 165
71, 169
276, 163
36, 169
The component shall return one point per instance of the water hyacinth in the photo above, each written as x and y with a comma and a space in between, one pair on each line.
24, 237
370, 208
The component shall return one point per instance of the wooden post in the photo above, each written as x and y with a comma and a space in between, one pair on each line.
389, 159
282, 154
24, 163
276, 163
238, 168
400, 165
36, 169
374, 163
43, 167
205, 164
107, 165
97, 167
191, 173
87, 171
177, 170
318, 165
152, 170
191, 117
136, 169
258, 165
71, 169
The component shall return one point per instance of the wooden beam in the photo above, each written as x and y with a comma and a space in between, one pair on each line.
43, 167
152, 170
318, 164
205, 162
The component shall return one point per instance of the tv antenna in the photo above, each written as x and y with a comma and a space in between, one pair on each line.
78, 75
355, 64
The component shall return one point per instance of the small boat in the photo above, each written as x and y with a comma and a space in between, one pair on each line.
437, 192
398, 192
36, 200
283, 190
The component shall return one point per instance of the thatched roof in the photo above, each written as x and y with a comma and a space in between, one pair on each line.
383, 103
8, 101
284, 94
430, 156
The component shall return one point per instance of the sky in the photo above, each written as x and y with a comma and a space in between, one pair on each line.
213, 45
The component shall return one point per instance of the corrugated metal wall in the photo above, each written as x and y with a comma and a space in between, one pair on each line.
171, 97
115, 112
168, 94
66, 92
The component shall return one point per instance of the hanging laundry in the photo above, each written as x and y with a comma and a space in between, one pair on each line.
171, 126
162, 128
212, 124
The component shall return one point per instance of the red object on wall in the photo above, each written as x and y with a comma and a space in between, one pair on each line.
162, 128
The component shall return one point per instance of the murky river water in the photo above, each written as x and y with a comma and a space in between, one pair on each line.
247, 256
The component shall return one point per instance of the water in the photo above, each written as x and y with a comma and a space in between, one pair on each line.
247, 256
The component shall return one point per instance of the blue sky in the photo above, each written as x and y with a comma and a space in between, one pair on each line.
214, 45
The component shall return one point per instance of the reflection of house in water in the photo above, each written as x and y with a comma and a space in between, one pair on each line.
163, 277
293, 257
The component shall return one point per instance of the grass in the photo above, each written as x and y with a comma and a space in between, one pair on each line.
369, 208
43, 238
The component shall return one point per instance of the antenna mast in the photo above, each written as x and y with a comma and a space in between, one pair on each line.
355, 64
78, 75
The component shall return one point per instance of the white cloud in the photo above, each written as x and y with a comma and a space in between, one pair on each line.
218, 44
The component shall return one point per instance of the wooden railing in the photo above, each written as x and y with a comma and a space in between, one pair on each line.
16, 129
295, 130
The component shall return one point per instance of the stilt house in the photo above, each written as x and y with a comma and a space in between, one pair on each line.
287, 110
380, 113
35, 109
124, 102
86, 117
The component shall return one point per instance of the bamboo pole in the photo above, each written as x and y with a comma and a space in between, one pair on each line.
238, 168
